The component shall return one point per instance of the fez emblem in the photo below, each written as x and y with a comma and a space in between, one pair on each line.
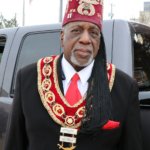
86, 7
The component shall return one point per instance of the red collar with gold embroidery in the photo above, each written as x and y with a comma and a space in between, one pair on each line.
53, 99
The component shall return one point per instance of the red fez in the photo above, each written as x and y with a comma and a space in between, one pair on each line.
84, 10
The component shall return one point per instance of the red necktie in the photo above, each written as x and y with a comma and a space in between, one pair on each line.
73, 94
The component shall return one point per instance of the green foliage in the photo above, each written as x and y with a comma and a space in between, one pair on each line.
4, 23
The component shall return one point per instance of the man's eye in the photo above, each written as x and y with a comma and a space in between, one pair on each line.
95, 33
76, 31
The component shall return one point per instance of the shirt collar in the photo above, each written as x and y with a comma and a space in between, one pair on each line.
84, 74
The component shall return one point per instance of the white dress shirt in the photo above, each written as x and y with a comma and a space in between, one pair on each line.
84, 75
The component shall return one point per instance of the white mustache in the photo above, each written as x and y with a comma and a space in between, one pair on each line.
83, 49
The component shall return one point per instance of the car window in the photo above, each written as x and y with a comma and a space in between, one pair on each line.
35, 46
141, 40
2, 45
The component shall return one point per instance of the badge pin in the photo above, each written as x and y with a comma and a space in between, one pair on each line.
68, 136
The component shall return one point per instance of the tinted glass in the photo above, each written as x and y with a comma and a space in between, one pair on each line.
141, 38
35, 46
2, 45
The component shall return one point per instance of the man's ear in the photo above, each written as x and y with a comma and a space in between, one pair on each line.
62, 37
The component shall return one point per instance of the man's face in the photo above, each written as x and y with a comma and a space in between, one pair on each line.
80, 41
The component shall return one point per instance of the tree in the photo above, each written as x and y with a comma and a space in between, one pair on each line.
4, 23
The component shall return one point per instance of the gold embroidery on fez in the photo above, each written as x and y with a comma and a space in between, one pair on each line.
86, 7
71, 13
94, 2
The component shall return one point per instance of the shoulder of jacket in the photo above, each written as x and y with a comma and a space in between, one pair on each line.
121, 76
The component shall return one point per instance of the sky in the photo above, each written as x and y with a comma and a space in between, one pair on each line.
47, 11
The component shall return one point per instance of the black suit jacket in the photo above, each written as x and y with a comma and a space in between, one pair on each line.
31, 128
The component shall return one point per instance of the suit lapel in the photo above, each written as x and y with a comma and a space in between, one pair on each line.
60, 73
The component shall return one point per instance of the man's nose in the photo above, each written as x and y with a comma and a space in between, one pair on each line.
85, 38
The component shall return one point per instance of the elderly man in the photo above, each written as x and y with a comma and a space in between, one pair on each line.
75, 100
